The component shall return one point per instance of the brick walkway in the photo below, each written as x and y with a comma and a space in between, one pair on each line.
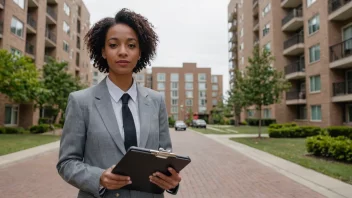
215, 171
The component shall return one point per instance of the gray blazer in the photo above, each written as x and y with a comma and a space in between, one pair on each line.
91, 141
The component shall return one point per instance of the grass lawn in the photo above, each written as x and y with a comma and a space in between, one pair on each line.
12, 143
242, 129
294, 150
210, 131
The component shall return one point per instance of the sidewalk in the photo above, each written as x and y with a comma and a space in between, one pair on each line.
216, 171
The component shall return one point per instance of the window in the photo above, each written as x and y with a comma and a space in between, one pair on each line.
174, 77
347, 37
214, 94
267, 113
140, 77
314, 53
202, 94
215, 87
202, 109
214, 79
313, 24
174, 94
202, 86
242, 60
202, 77
189, 77
250, 113
202, 102
316, 113
266, 10
315, 84
302, 112
161, 86
215, 102
17, 27
267, 47
310, 2
175, 116
66, 28
189, 86
241, 46
19, 3
16, 52
66, 9
266, 29
174, 85
174, 101
174, 109
241, 34
66, 47
161, 77
189, 94
189, 102
11, 115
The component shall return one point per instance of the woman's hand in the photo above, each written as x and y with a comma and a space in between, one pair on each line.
166, 182
113, 181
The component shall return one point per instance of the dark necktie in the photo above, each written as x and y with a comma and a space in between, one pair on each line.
128, 123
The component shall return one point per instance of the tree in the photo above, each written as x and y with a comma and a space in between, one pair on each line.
19, 78
217, 113
262, 84
236, 99
190, 117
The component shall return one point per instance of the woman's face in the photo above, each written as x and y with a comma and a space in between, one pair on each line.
121, 49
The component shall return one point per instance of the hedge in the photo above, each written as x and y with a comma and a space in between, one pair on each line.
338, 148
294, 132
42, 128
12, 130
278, 126
336, 131
255, 122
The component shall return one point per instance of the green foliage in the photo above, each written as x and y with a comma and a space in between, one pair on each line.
294, 132
336, 131
13, 130
190, 117
236, 100
171, 121
42, 128
264, 122
339, 148
278, 126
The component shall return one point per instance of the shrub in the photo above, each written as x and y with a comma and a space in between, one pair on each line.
243, 123
171, 121
336, 131
338, 148
232, 122
44, 121
293, 132
264, 122
12, 130
278, 126
42, 128
58, 126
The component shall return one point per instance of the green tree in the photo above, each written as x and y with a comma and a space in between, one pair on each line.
217, 113
236, 100
190, 117
262, 84
19, 78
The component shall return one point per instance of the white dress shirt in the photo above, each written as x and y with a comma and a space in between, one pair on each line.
116, 94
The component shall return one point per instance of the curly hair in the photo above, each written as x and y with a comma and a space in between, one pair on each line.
147, 38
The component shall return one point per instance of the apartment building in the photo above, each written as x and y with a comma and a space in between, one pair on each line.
39, 29
233, 40
144, 78
312, 44
188, 87
97, 76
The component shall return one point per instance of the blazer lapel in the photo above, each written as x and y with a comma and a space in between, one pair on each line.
106, 111
144, 115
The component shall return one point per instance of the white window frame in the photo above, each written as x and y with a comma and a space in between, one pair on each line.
16, 23
189, 102
13, 106
161, 77
314, 47
313, 85
174, 109
266, 9
174, 77
311, 113
173, 87
200, 77
67, 9
316, 20
66, 27
201, 88
66, 46
173, 95
190, 75
215, 102
200, 95
20, 3
160, 83
215, 87
174, 100
214, 79
214, 94
189, 88
310, 2
187, 95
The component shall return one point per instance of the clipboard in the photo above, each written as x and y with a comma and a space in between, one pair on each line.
140, 163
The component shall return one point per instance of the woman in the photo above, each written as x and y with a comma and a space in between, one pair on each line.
103, 121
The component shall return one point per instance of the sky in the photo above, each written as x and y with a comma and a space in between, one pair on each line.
188, 30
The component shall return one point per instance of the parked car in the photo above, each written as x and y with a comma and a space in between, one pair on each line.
199, 123
180, 125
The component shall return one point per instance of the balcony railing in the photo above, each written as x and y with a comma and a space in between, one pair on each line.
50, 35
334, 5
296, 95
341, 50
342, 88
297, 66
255, 22
296, 39
31, 21
51, 12
292, 14
29, 48
1, 27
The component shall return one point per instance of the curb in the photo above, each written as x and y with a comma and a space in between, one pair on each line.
28, 153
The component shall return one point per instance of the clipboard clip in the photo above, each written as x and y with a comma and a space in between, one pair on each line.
164, 154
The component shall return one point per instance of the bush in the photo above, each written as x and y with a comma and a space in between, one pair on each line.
338, 148
12, 130
58, 126
44, 121
294, 132
336, 131
171, 121
255, 122
232, 122
42, 128
243, 123
2, 130
279, 126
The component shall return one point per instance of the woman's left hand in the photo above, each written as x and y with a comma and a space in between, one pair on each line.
166, 182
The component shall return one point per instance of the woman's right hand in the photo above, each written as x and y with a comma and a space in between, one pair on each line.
113, 181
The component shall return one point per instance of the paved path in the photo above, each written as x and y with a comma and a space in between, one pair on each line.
216, 171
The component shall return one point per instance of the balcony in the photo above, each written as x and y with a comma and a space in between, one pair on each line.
256, 25
342, 91
339, 10
47, 58
232, 16
296, 98
295, 70
233, 46
31, 24
233, 39
233, 27
341, 55
255, 3
30, 50
2, 4
50, 38
51, 15
293, 21
1, 28
32, 3
294, 45
290, 3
